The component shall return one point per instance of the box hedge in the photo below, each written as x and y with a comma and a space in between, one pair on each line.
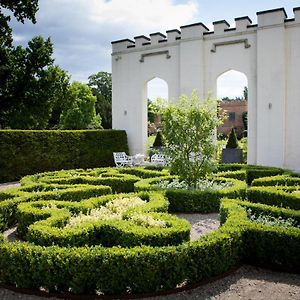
24, 152
85, 267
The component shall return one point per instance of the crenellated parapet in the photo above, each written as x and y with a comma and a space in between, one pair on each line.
267, 18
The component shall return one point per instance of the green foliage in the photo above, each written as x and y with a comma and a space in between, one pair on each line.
159, 140
79, 111
101, 85
45, 224
46, 202
202, 201
21, 9
232, 142
28, 152
245, 119
31, 87
271, 220
188, 128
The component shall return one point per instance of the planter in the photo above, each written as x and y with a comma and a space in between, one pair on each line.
232, 155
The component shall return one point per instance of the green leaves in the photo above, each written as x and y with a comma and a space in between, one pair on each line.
189, 127
101, 85
79, 110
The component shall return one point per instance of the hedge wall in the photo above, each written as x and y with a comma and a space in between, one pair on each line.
25, 152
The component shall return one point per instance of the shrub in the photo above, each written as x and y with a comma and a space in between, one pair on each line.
232, 142
69, 259
159, 140
195, 200
28, 152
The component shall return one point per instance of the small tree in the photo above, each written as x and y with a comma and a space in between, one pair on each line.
189, 128
79, 111
232, 142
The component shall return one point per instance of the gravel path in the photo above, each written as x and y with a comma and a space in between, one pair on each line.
201, 223
4, 186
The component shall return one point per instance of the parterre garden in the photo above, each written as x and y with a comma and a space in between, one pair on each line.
110, 231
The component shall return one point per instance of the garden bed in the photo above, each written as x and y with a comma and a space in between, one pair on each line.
67, 260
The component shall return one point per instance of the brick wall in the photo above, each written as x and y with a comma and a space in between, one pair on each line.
234, 111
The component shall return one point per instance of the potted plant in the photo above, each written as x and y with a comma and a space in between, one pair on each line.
232, 153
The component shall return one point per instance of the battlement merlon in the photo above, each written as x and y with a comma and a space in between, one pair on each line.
297, 14
220, 26
173, 35
121, 45
271, 17
242, 23
265, 18
141, 40
195, 30
157, 37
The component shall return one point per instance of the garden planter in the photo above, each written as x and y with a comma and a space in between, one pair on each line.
232, 155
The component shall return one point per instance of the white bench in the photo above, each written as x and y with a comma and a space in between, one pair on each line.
158, 159
122, 159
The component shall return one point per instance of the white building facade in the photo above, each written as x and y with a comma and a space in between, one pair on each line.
268, 53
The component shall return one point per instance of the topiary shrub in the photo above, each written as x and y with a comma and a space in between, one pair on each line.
232, 142
159, 140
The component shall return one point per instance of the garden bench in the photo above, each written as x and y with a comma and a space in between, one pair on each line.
122, 159
158, 159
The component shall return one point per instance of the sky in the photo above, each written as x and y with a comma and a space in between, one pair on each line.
82, 30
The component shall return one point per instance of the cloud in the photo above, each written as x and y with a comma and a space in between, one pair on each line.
82, 30
231, 84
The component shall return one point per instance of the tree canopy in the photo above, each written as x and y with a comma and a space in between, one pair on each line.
79, 110
101, 85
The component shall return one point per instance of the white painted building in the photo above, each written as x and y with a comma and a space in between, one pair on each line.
193, 58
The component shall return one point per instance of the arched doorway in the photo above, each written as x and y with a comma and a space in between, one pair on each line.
232, 92
156, 91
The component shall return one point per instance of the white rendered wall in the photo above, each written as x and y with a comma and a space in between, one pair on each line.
192, 59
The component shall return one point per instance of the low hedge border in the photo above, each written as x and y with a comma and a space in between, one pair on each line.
8, 207
252, 172
268, 246
195, 200
117, 270
273, 196
284, 180
50, 230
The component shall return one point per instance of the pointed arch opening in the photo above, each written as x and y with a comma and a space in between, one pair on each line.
156, 91
232, 92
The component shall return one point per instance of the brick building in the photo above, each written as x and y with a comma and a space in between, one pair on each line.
234, 111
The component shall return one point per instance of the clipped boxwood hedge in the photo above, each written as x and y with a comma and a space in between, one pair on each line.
269, 246
25, 152
56, 261
195, 200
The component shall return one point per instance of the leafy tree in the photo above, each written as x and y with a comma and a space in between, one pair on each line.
232, 142
245, 93
101, 85
154, 108
189, 128
32, 86
79, 111
21, 9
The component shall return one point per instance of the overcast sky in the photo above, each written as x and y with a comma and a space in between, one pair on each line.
82, 30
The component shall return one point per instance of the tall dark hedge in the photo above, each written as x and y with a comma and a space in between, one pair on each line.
25, 152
